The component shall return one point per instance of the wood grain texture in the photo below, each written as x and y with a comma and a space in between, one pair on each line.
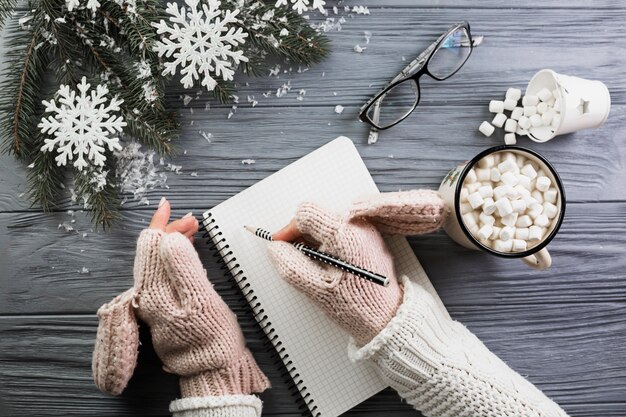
564, 328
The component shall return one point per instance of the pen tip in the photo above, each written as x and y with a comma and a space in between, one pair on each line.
250, 229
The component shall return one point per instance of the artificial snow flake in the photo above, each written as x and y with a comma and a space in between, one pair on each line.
302, 5
75, 4
80, 125
202, 42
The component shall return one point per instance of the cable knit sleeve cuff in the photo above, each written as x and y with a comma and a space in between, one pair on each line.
224, 406
404, 326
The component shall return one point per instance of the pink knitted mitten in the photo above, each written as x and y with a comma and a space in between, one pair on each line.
193, 331
404, 213
361, 307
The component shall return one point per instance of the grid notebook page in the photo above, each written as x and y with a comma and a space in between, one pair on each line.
332, 176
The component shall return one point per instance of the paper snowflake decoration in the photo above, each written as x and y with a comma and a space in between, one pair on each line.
80, 125
75, 4
302, 5
202, 42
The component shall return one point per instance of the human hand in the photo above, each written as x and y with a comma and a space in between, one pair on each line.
193, 331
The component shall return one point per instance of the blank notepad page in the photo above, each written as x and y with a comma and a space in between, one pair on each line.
332, 176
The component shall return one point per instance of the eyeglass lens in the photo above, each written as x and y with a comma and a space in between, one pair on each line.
450, 55
394, 105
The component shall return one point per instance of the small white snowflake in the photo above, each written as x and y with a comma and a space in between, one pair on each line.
81, 124
75, 4
202, 42
302, 6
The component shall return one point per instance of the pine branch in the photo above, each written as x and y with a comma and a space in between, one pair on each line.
20, 92
6, 9
102, 201
45, 179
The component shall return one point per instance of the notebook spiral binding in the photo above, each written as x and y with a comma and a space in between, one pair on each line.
217, 243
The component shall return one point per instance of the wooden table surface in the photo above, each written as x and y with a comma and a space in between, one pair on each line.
565, 328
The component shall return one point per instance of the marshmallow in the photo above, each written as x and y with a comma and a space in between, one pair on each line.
482, 174
503, 246
519, 206
546, 118
498, 120
475, 200
513, 94
487, 161
535, 210
550, 210
485, 232
544, 94
500, 191
529, 200
503, 205
474, 229
509, 138
530, 110
519, 245
507, 165
543, 183
535, 120
486, 219
542, 220
471, 176
509, 104
468, 220
524, 221
496, 106
510, 126
535, 233
522, 191
537, 195
530, 100
507, 233
529, 171
520, 160
509, 220
466, 208
496, 232
524, 181
557, 105
485, 191
509, 178
473, 187
486, 129
489, 206
494, 175
551, 195
524, 122
521, 233
517, 113
542, 108
556, 121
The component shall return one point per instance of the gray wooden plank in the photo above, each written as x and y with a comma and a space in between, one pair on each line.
574, 352
417, 153
42, 264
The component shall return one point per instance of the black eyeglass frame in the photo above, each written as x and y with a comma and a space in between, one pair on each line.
422, 59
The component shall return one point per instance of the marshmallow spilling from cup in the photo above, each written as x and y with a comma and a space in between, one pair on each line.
508, 201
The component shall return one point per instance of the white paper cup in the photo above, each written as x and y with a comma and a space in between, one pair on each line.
536, 256
584, 103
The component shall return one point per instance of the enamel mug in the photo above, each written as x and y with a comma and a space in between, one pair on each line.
536, 256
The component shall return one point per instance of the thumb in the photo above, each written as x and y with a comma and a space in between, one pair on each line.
300, 271
405, 213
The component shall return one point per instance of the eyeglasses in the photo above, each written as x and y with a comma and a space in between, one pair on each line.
441, 60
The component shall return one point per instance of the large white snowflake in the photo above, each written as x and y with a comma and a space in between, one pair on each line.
202, 42
80, 125
75, 4
302, 5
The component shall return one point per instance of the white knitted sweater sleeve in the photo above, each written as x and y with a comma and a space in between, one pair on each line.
437, 365
224, 406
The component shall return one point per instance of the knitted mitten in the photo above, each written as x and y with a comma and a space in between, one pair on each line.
193, 331
402, 213
434, 362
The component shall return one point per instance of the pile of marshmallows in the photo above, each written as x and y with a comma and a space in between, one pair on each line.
538, 110
507, 202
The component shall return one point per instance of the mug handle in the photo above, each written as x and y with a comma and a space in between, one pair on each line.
540, 260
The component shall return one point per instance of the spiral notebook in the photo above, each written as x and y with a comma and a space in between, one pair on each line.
312, 347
